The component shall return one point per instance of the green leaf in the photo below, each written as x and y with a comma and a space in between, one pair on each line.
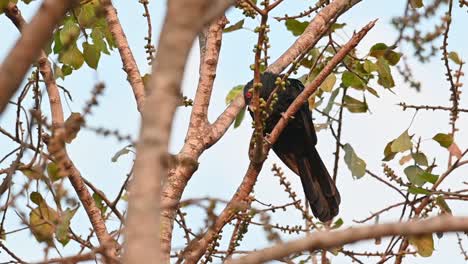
420, 159
416, 3
356, 165
445, 140
388, 153
91, 55
234, 27
36, 198
99, 203
369, 66
336, 26
57, 43
236, 90
350, 79
239, 118
98, 40
385, 74
66, 70
414, 173
424, 244
392, 57
69, 33
455, 58
418, 190
87, 16
402, 143
53, 171
296, 27
428, 177
444, 207
61, 232
328, 83
338, 223
101, 25
378, 50
354, 105
331, 101
72, 56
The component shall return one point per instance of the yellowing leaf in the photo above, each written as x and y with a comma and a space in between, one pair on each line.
416, 3
328, 83
53, 171
72, 56
354, 105
42, 221
91, 55
455, 58
402, 143
445, 140
34, 173
424, 244
388, 153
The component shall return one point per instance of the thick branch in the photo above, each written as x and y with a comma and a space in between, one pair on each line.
310, 89
28, 47
313, 33
198, 134
325, 240
129, 64
182, 24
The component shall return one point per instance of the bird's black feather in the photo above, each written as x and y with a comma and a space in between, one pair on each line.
296, 146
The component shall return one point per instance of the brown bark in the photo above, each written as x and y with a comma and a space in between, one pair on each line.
28, 47
326, 240
129, 64
182, 24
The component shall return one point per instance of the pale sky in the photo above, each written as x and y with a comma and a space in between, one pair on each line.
219, 173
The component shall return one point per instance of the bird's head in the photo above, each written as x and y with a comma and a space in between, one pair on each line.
268, 84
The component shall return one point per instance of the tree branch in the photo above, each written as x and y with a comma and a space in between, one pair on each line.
326, 240
129, 64
182, 24
198, 134
28, 47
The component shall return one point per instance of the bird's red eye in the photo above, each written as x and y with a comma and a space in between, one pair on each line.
248, 95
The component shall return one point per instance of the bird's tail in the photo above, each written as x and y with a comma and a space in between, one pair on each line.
319, 188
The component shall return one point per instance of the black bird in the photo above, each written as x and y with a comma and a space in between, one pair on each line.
296, 145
